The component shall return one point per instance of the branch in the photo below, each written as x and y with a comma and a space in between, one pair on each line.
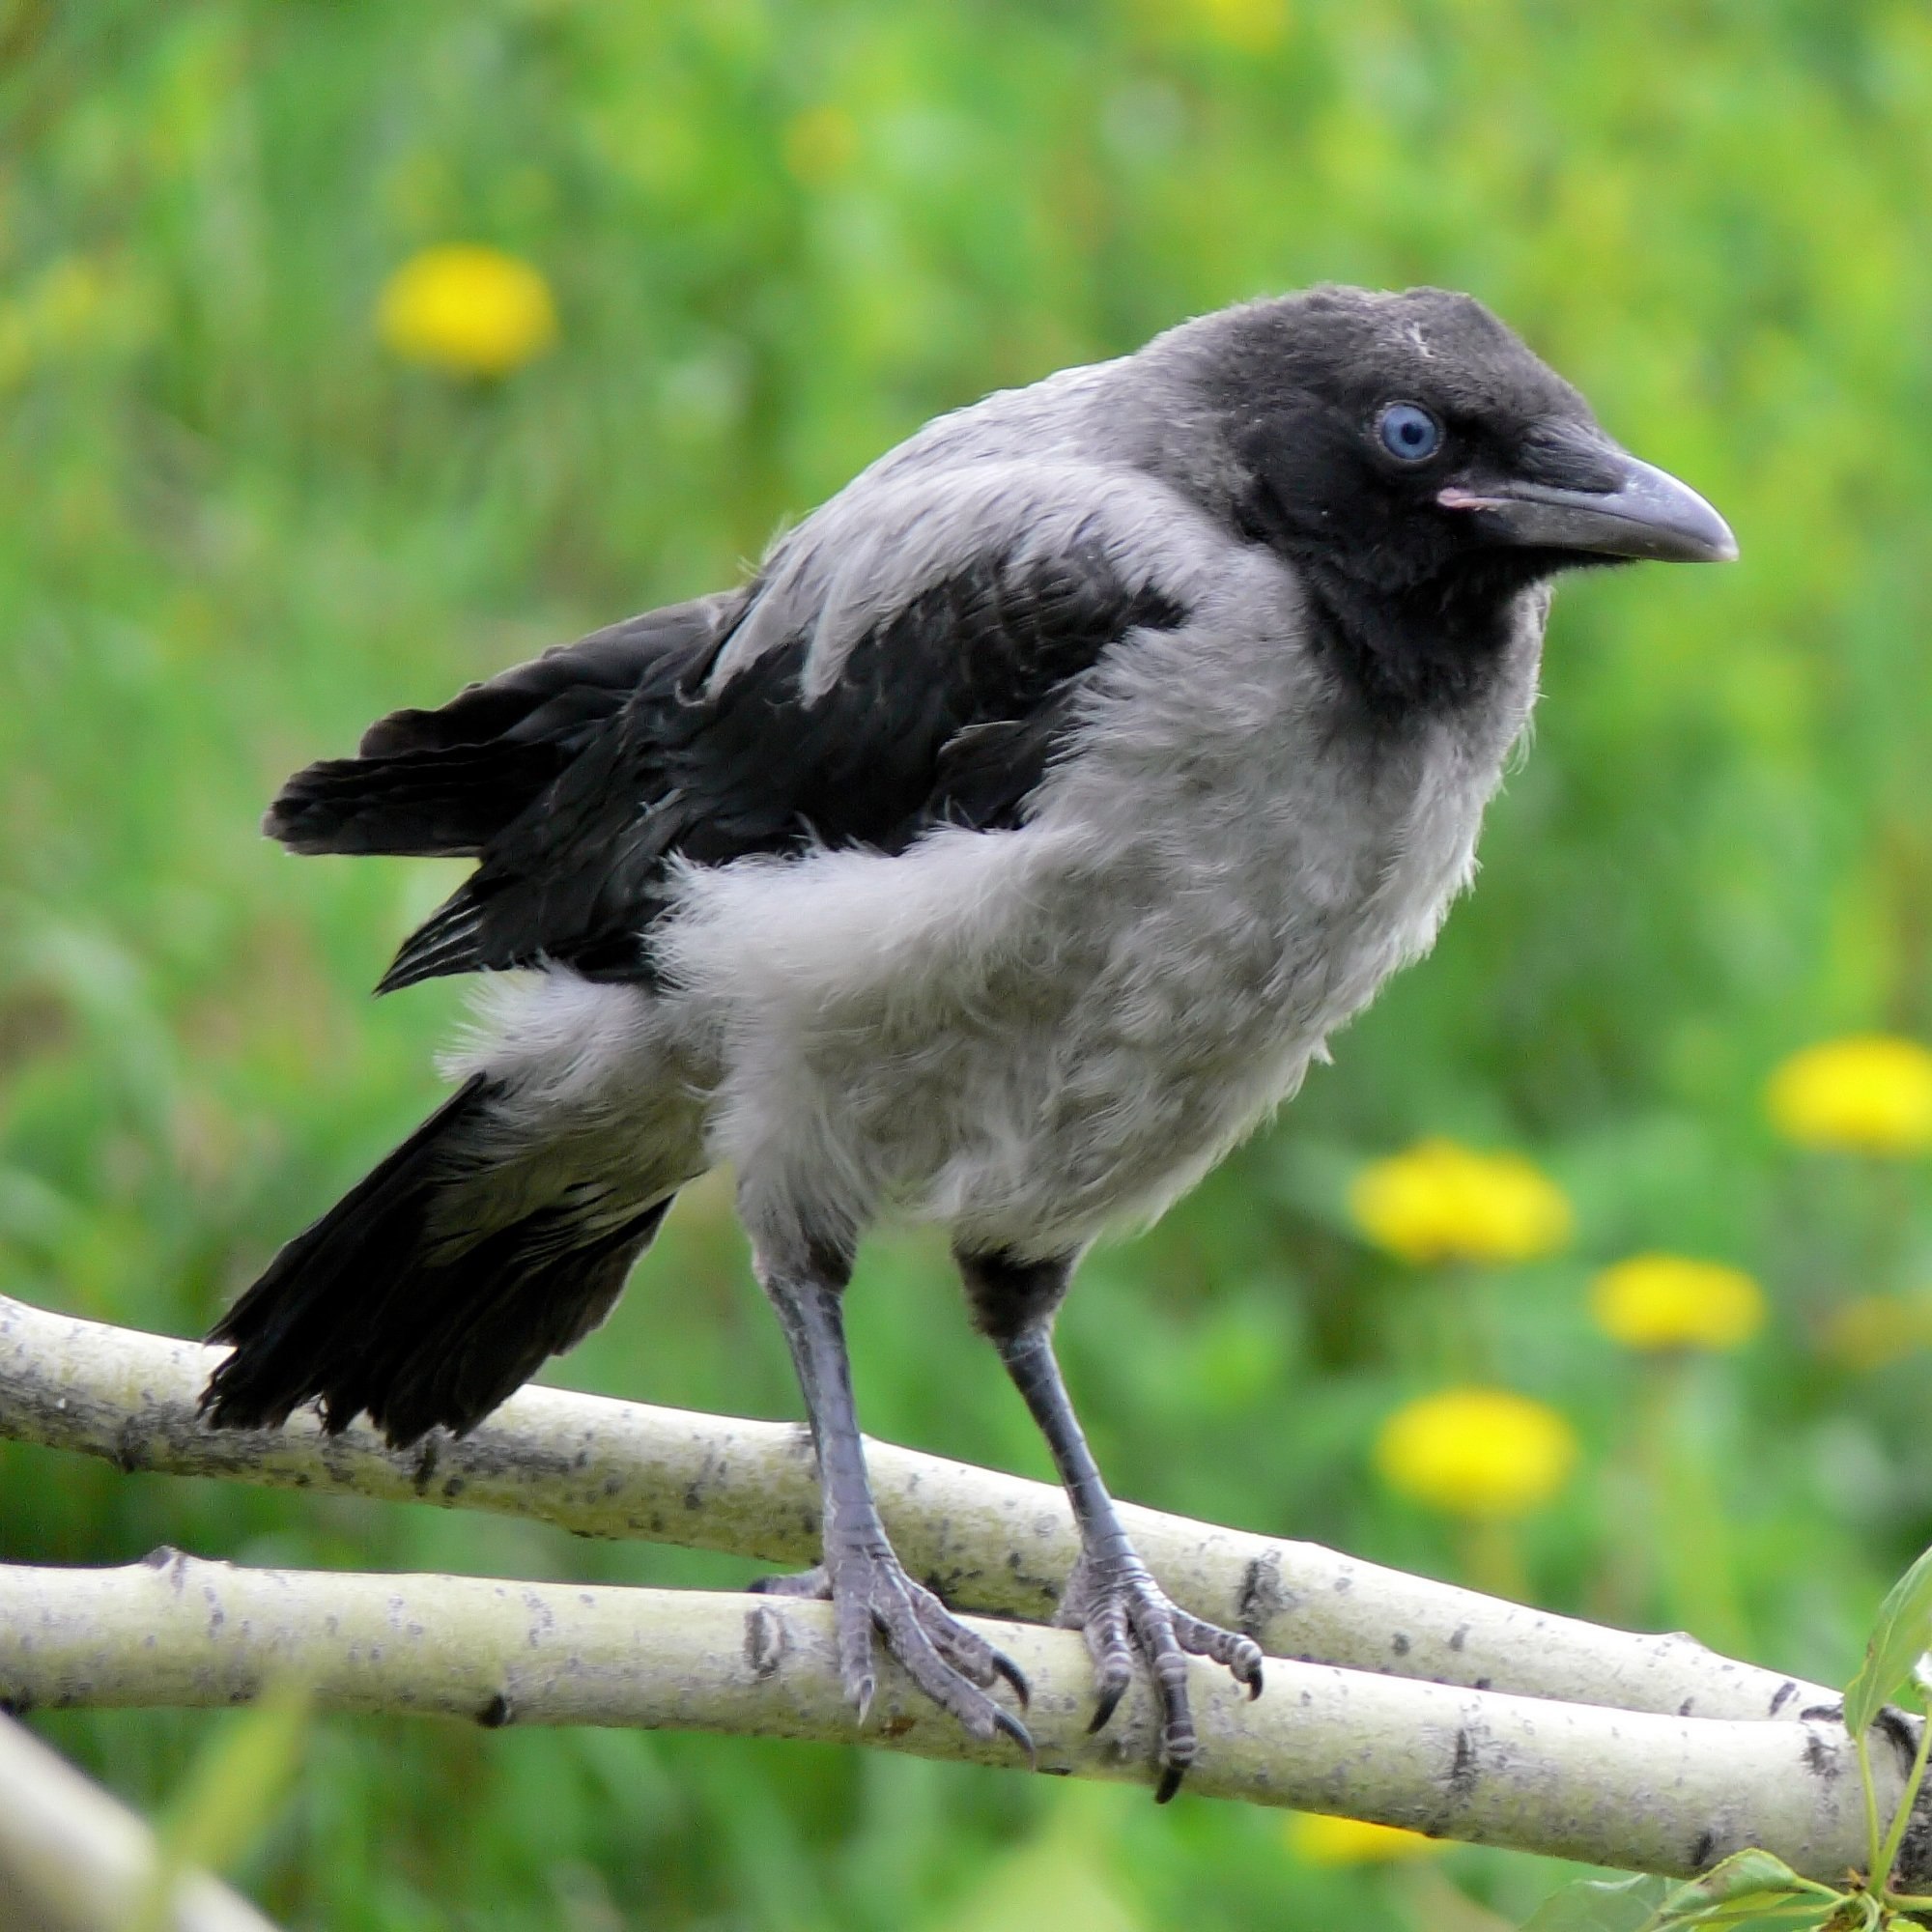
988, 1541
75, 1859
1665, 1794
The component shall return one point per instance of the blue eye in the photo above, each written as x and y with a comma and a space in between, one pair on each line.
1409, 433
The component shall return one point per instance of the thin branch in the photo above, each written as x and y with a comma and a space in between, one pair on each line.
989, 1541
75, 1859
1663, 1793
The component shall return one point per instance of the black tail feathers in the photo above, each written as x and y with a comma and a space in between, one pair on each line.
357, 1313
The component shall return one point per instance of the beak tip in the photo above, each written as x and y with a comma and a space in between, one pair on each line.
1646, 514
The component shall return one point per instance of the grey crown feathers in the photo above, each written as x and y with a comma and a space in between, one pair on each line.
998, 856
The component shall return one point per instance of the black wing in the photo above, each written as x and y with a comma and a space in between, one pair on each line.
444, 784
945, 712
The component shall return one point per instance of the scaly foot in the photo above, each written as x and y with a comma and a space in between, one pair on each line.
1121, 1609
869, 1590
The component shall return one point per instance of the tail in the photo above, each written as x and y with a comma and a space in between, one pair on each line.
377, 1308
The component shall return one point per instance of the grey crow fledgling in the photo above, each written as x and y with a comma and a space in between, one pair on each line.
998, 857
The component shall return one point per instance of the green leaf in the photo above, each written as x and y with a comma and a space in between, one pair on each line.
1762, 1911
1599, 1905
1748, 1890
1900, 1637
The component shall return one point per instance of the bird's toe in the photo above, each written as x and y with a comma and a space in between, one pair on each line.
814, 1583
954, 1665
1122, 1614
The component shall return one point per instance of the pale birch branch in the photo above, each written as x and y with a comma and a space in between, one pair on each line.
75, 1859
1665, 1794
989, 1541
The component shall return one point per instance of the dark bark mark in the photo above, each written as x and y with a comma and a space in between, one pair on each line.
1700, 1852
1900, 1733
1913, 1869
1399, 1643
1820, 1759
1459, 1636
1262, 1597
1464, 1769
1784, 1693
496, 1714
765, 1641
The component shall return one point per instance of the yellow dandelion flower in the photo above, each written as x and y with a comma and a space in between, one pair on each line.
1317, 1839
1670, 1301
1871, 1330
820, 145
1442, 1202
1869, 1093
469, 311
1476, 1452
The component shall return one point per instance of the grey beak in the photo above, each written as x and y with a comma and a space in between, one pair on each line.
1644, 512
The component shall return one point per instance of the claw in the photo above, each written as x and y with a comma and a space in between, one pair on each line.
1011, 1725
1014, 1676
1122, 1612
1111, 1693
867, 1685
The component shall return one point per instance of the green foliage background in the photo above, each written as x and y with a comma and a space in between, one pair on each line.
232, 531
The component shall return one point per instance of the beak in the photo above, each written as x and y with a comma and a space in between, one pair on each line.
1637, 511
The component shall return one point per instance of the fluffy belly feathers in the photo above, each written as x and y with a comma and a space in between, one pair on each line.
1020, 1037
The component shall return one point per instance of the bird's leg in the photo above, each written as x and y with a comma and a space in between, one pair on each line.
1110, 1597
867, 1586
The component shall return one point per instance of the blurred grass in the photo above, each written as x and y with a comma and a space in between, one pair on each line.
232, 531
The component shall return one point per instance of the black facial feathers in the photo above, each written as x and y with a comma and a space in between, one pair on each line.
1416, 602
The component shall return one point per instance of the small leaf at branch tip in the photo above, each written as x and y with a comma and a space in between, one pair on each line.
1899, 1639
1751, 1890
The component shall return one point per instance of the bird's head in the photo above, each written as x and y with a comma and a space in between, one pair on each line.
1422, 467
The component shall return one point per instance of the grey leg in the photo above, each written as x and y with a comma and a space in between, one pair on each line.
1110, 1597
868, 1587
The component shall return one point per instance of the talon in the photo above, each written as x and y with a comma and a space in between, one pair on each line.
1111, 1691
1006, 1721
864, 1700
1014, 1676
1170, 1783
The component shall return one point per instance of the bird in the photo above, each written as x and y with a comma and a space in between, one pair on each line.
996, 856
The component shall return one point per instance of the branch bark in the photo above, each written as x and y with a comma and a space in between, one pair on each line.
1666, 1794
988, 1541
75, 1859
1432, 1707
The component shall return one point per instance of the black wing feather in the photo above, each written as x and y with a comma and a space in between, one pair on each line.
444, 784
948, 712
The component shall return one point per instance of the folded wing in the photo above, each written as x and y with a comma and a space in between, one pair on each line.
789, 714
